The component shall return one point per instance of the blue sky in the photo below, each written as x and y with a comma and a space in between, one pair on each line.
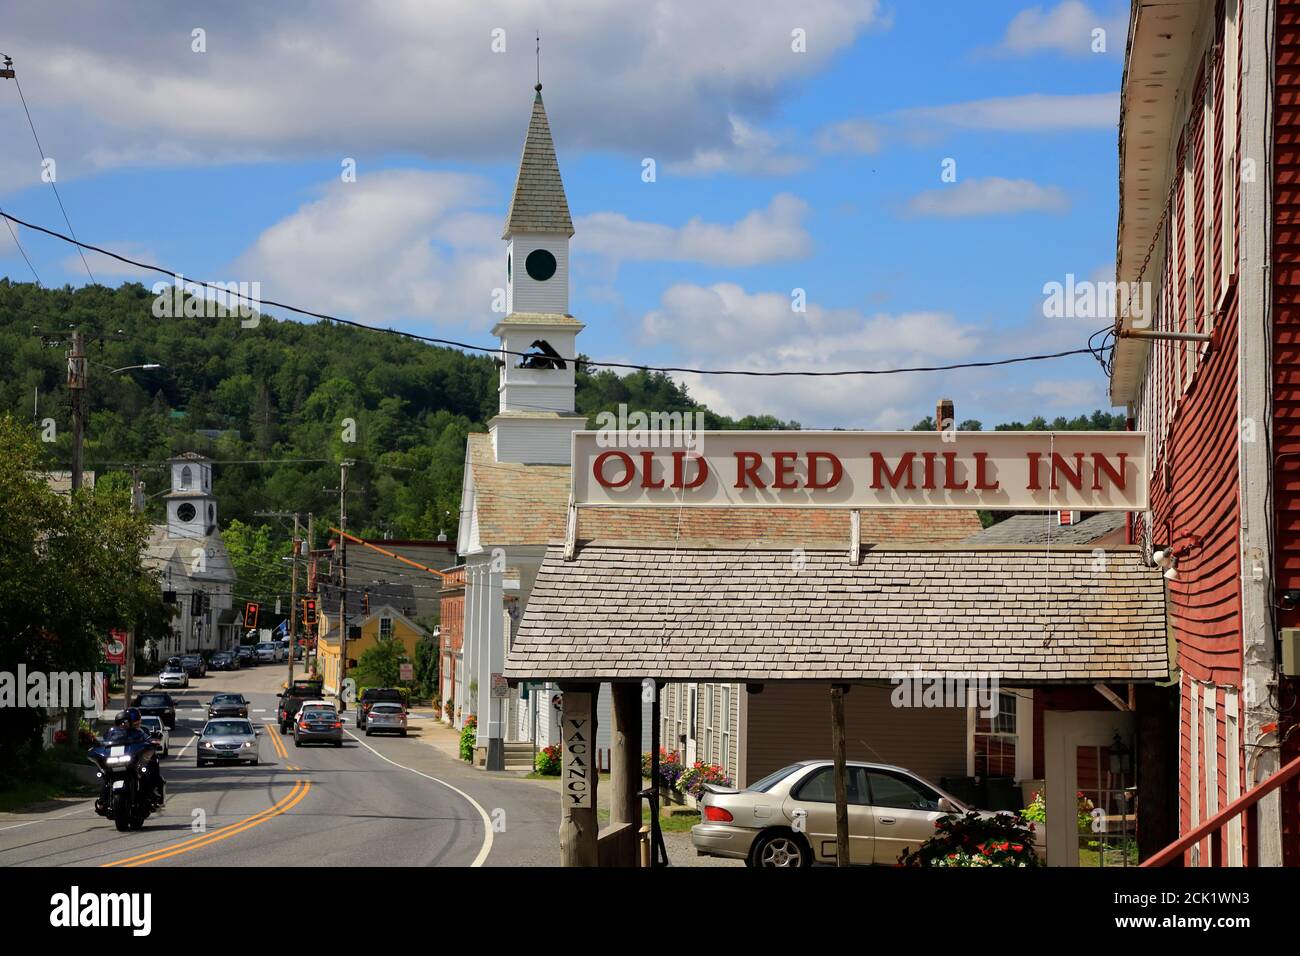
775, 169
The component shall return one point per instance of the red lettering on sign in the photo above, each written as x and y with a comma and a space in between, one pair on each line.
1033, 457
679, 468
950, 473
747, 463
981, 477
647, 470
928, 481
598, 467
879, 469
837, 470
784, 468
1100, 463
1059, 467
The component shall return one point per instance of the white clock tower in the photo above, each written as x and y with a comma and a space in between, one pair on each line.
538, 335
191, 507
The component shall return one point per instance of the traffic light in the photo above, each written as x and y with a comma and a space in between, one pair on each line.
309, 611
251, 610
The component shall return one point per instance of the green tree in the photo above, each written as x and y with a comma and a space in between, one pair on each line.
71, 567
380, 665
257, 554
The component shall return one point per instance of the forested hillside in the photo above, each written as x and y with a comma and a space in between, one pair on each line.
269, 403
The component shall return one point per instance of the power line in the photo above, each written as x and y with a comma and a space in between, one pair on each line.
497, 350
41, 150
23, 252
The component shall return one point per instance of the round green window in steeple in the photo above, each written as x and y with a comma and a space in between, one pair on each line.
540, 265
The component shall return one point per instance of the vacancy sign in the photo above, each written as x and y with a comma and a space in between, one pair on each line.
1081, 471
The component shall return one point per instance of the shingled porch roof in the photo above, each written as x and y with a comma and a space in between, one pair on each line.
629, 610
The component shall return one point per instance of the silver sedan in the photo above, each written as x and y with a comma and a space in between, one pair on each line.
787, 819
227, 740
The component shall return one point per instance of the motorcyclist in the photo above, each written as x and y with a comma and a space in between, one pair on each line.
126, 729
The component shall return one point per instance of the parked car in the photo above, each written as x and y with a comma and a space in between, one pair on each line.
224, 661
227, 740
195, 665
174, 675
153, 726
157, 705
317, 726
227, 705
268, 652
246, 654
386, 717
787, 819
373, 695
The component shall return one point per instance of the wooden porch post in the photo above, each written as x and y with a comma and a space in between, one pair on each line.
841, 788
625, 763
579, 776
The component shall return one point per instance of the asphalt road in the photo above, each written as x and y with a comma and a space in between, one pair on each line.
376, 801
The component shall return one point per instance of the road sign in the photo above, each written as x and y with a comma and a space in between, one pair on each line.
406, 671
500, 687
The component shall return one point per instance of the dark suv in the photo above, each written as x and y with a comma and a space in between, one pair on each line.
373, 695
194, 665
157, 705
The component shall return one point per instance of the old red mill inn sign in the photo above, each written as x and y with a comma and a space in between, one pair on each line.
1086, 471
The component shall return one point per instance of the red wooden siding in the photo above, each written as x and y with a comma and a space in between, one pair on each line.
1286, 358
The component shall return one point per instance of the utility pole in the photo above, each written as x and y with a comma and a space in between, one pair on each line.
128, 680
312, 581
343, 580
293, 598
76, 386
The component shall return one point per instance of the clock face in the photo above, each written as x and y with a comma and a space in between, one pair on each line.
540, 265
185, 512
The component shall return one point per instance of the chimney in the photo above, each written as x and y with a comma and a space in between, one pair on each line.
943, 412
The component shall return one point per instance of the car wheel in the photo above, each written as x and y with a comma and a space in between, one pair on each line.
297, 742
403, 733
253, 761
200, 763
780, 848
367, 731
338, 743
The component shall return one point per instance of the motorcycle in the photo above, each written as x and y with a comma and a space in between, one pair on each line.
127, 795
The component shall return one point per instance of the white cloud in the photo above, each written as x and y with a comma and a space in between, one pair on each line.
1066, 28
990, 196
773, 234
752, 152
1032, 112
723, 325
394, 245
851, 136
661, 78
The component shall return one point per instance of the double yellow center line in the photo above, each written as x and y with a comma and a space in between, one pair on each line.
283, 805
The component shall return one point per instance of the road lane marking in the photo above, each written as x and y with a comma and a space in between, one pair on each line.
58, 816
283, 805
487, 820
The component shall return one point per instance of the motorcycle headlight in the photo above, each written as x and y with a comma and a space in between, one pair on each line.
117, 760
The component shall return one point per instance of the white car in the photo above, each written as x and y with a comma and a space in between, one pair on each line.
153, 726
319, 705
174, 675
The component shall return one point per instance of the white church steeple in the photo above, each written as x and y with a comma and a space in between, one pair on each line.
538, 335
191, 506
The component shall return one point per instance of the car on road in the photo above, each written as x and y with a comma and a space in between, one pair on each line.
386, 717
373, 695
227, 705
268, 652
227, 740
317, 727
194, 665
787, 819
153, 726
246, 654
173, 675
157, 705
292, 698
224, 661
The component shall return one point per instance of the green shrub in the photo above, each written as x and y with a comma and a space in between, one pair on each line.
548, 761
468, 734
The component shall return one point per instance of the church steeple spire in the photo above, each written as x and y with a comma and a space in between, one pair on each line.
538, 204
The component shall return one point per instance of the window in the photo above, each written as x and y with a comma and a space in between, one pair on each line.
899, 793
996, 738
187, 477
726, 729
819, 786
709, 754
385, 628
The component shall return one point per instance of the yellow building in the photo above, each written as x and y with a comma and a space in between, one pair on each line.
383, 623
